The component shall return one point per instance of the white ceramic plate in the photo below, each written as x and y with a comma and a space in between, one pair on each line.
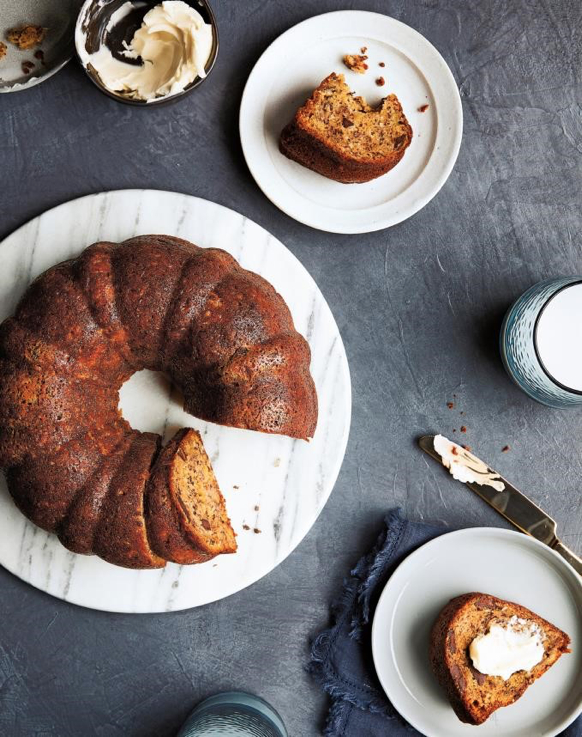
58, 17
288, 480
295, 64
508, 565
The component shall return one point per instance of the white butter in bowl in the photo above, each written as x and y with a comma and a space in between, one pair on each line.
144, 52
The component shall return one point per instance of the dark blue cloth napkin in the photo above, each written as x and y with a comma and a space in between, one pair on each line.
341, 656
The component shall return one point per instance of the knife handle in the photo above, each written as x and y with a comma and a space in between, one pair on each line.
568, 555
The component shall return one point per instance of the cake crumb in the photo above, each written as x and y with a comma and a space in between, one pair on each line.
451, 405
3, 50
256, 507
277, 462
27, 67
26, 37
505, 449
381, 64
257, 531
39, 54
235, 486
364, 49
454, 451
246, 527
463, 428
356, 62
467, 447
380, 81
423, 108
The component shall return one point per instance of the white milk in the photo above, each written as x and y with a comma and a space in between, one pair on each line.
559, 337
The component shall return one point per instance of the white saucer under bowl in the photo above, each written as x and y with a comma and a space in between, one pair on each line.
295, 64
509, 565
275, 487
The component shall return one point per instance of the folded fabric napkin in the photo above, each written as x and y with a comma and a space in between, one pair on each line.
341, 656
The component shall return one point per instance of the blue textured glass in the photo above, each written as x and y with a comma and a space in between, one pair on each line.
233, 714
518, 349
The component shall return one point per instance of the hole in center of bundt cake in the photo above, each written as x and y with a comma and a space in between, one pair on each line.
148, 400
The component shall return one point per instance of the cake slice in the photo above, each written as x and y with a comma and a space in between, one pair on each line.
121, 536
343, 138
457, 648
185, 510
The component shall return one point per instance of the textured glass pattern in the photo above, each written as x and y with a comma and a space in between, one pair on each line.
230, 722
234, 715
518, 346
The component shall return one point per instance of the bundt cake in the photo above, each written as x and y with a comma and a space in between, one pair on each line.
74, 466
341, 137
466, 619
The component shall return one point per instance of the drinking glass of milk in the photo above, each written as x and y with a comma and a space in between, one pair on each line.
541, 341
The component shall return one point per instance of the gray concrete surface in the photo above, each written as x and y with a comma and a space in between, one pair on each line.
419, 307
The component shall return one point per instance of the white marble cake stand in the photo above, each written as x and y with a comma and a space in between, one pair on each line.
288, 480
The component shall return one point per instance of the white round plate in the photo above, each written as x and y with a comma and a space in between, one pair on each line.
288, 480
295, 64
508, 565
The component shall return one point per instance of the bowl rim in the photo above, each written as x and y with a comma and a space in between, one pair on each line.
209, 66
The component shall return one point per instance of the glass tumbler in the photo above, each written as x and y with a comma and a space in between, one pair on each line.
541, 342
233, 714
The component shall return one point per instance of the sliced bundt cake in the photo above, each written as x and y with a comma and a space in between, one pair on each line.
73, 464
343, 138
185, 509
462, 623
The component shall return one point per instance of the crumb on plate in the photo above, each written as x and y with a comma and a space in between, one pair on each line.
356, 62
3, 50
423, 108
505, 449
380, 81
26, 37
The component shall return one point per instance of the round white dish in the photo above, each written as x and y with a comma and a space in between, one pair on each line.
288, 480
58, 17
508, 565
295, 64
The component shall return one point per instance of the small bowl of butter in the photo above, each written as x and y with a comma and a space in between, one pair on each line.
146, 52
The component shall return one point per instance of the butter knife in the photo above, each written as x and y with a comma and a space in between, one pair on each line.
517, 508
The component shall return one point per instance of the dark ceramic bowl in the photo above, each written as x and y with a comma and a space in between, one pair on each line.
92, 27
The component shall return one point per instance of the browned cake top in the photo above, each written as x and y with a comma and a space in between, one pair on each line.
222, 333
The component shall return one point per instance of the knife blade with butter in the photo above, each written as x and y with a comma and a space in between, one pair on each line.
498, 493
